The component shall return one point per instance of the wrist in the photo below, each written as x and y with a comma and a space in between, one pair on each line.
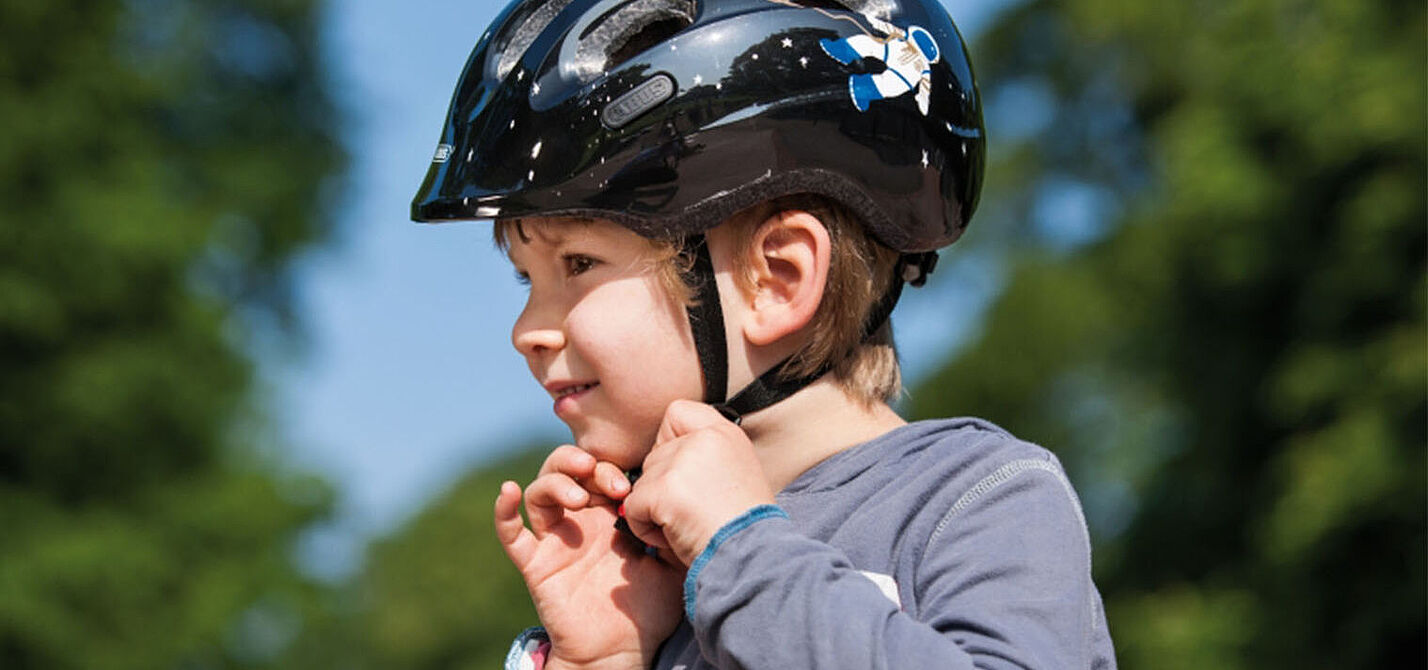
630, 661
752, 516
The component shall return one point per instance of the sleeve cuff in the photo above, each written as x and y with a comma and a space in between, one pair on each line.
743, 521
528, 650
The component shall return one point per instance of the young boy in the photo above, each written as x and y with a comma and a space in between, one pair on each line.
715, 205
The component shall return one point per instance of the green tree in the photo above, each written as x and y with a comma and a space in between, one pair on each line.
438, 594
160, 162
1236, 373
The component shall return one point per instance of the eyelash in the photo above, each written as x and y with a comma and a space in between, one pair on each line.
578, 264
575, 265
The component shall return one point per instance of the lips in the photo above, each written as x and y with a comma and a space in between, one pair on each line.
574, 389
567, 397
565, 389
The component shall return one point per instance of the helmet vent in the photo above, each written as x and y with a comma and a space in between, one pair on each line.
820, 4
521, 32
876, 8
648, 36
628, 31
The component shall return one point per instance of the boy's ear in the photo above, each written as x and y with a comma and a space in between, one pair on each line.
789, 261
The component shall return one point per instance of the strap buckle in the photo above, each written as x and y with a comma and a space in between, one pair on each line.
917, 267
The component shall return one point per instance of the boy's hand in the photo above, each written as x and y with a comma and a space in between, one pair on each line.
604, 603
701, 474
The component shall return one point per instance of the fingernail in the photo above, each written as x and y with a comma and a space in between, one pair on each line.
572, 494
619, 484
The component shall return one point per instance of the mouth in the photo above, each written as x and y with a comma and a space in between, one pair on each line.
568, 390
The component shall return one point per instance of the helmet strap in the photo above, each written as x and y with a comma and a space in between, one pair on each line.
706, 321
767, 390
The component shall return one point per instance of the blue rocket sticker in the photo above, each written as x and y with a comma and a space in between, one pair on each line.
908, 54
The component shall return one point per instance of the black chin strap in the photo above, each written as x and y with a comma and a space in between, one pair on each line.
706, 320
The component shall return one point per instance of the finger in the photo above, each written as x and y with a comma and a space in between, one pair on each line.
683, 417
649, 533
637, 515
569, 460
609, 481
549, 496
667, 556
515, 538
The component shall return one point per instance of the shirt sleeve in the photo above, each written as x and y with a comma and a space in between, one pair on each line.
1002, 582
529, 650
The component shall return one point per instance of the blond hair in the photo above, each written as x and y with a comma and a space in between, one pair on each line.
859, 273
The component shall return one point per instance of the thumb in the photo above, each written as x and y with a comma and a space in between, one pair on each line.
683, 417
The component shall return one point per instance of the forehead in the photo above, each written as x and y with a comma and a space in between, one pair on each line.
537, 234
548, 230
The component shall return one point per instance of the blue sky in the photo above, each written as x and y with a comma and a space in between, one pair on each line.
408, 377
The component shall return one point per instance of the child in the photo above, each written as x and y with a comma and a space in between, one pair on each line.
715, 205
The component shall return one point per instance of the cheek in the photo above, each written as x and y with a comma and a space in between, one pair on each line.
636, 336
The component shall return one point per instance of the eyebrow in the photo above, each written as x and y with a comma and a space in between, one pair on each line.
552, 233
502, 233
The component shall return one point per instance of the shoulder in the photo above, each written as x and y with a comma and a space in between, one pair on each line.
974, 452
942, 469
997, 492
937, 479
1004, 537
948, 456
969, 474
982, 457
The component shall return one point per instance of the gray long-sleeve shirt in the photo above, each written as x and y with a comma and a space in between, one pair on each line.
942, 544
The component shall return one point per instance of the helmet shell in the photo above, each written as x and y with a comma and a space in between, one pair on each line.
668, 116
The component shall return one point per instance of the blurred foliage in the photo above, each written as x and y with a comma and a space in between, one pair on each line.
160, 161
1236, 373
439, 594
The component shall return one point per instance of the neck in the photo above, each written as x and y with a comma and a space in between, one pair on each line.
811, 425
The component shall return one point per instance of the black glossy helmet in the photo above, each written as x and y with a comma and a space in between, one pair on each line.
668, 116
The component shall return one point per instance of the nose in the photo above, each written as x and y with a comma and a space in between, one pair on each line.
536, 333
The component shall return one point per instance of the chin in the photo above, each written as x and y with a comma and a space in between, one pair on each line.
614, 446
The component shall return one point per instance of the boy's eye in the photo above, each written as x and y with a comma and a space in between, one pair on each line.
522, 278
576, 264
